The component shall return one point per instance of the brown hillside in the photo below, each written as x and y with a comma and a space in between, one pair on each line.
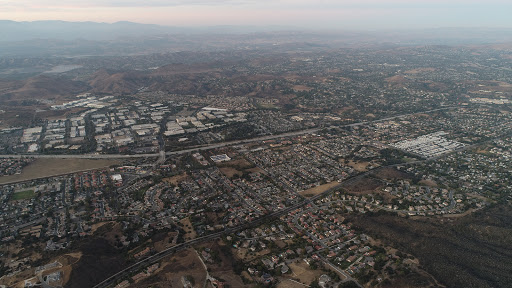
184, 69
42, 87
104, 81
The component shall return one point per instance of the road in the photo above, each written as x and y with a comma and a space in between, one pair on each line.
79, 156
208, 277
161, 157
348, 278
264, 219
208, 146
160, 154
169, 251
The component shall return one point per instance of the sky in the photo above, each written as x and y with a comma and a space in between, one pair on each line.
315, 14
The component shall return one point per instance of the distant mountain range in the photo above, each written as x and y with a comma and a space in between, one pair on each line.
70, 39
62, 30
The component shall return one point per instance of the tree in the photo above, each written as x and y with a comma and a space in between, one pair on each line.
314, 284
349, 284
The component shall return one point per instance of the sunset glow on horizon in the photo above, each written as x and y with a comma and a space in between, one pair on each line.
365, 14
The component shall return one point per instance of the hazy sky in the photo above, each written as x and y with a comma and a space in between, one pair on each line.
336, 14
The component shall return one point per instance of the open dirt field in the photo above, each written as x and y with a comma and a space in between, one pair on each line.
67, 261
359, 166
301, 88
267, 106
428, 182
245, 255
318, 189
364, 185
111, 232
230, 172
166, 242
246, 275
18, 281
175, 180
420, 70
49, 167
391, 173
288, 283
96, 226
59, 114
302, 272
239, 164
255, 170
230, 278
172, 269
189, 229
222, 268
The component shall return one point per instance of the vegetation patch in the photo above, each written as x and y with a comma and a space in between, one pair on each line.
23, 195
190, 233
177, 179
230, 172
472, 251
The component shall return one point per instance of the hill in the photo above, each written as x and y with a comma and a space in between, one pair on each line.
473, 251
41, 87
104, 81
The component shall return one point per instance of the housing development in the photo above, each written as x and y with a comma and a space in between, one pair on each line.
320, 169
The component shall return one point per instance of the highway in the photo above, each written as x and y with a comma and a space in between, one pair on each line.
208, 146
159, 155
161, 158
78, 156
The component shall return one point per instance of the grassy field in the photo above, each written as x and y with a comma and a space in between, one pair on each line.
49, 167
22, 195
